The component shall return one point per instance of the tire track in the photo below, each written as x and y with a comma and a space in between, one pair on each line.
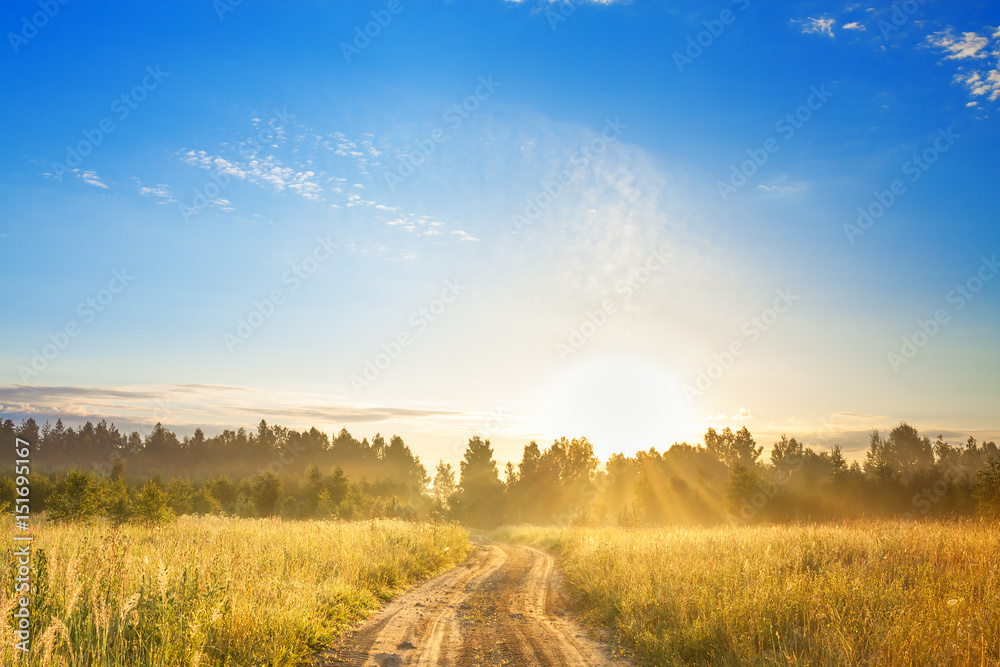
501, 608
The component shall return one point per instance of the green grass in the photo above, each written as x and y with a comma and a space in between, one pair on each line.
871, 593
213, 591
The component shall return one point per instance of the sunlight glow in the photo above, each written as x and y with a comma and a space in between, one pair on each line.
621, 404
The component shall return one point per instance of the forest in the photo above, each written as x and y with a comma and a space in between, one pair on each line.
96, 470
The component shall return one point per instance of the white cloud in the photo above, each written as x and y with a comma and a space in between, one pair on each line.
742, 414
291, 163
853, 25
464, 236
982, 83
425, 225
160, 191
979, 66
823, 25
969, 45
261, 169
91, 178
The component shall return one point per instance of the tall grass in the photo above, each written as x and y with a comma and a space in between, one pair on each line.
879, 593
212, 591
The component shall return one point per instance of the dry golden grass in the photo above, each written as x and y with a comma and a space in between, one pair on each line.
871, 593
213, 591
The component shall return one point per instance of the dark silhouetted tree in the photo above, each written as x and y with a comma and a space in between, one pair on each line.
480, 491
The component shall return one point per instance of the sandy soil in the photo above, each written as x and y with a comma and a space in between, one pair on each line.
503, 607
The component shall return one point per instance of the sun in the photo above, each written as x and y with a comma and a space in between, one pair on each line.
621, 404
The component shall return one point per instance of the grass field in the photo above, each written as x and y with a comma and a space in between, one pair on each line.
213, 591
880, 593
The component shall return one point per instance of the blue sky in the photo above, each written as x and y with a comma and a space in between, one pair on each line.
524, 197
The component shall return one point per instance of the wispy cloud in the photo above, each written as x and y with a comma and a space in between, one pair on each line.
969, 45
160, 192
332, 169
782, 186
853, 25
822, 25
426, 225
91, 178
978, 59
196, 405
88, 177
262, 169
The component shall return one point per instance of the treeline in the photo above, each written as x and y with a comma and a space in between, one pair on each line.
239, 453
81, 495
726, 478
95, 470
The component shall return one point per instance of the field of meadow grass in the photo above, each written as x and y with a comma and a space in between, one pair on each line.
862, 593
212, 591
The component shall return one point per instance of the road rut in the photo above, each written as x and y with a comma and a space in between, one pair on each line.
503, 607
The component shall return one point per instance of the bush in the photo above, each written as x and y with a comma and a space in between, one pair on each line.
202, 502
266, 489
179, 494
118, 504
988, 490
151, 505
76, 498
222, 489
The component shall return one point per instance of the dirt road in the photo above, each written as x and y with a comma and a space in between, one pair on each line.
502, 607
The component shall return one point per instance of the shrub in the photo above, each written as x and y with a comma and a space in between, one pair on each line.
76, 498
151, 505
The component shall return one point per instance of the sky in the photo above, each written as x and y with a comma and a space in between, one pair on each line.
628, 221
